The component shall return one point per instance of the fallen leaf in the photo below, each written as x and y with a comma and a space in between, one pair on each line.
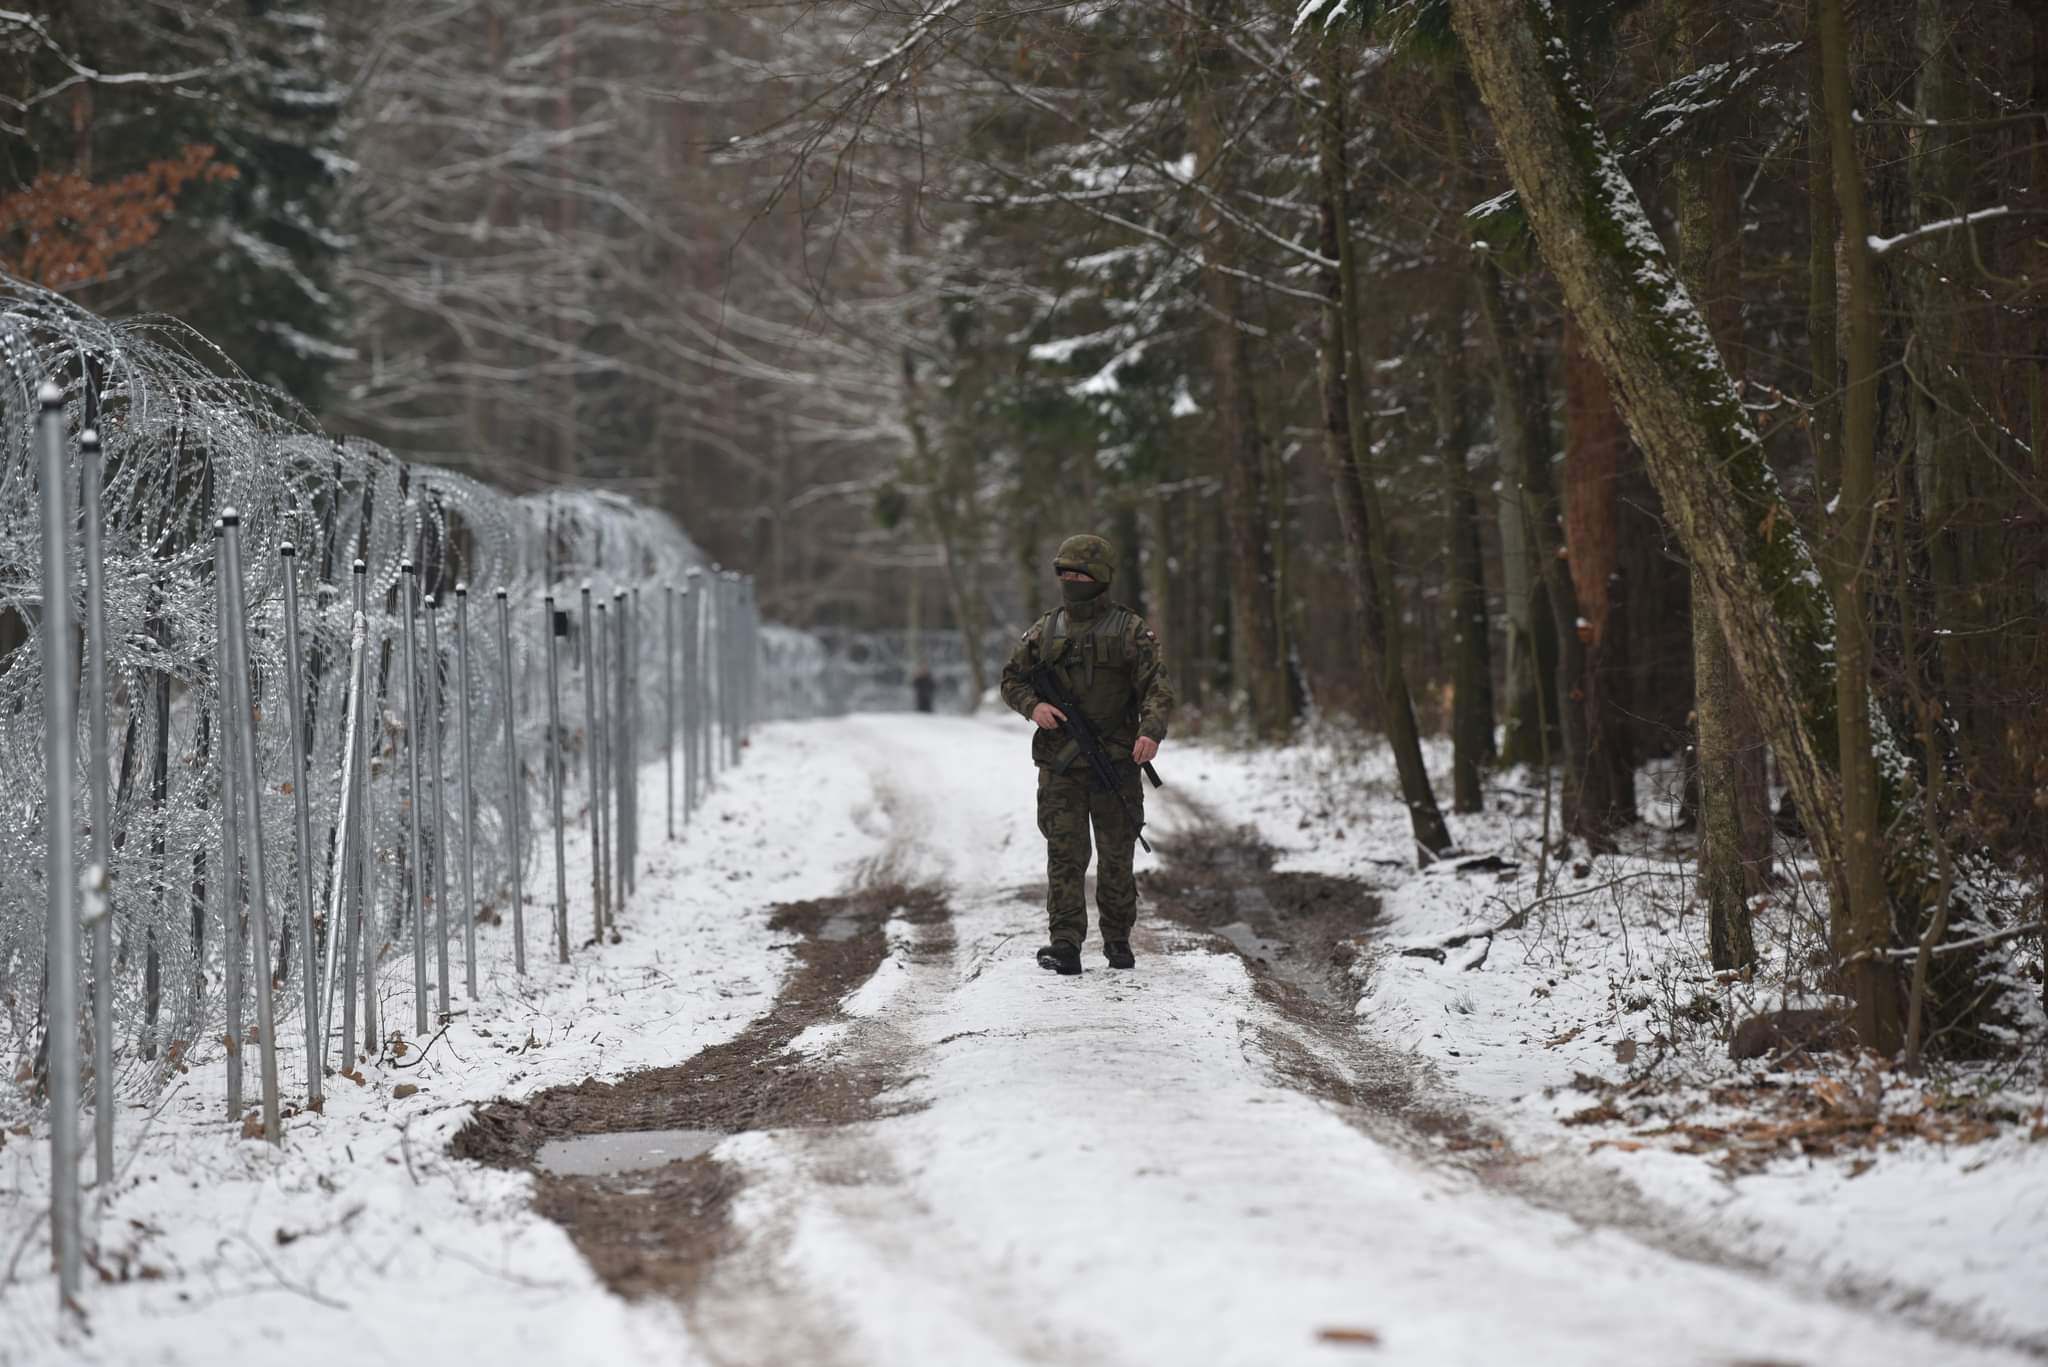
403, 1090
1358, 1338
1601, 1114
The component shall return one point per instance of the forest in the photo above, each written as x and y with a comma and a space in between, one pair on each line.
1646, 393
1575, 471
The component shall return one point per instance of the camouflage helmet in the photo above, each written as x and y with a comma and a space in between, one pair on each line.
1090, 555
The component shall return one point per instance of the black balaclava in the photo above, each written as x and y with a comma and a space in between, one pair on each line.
1079, 591
1092, 556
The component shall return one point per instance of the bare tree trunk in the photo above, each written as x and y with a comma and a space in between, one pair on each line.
1668, 377
1595, 444
1554, 654
1734, 803
1344, 449
1522, 719
962, 592
1256, 648
1471, 653
1864, 926
1962, 560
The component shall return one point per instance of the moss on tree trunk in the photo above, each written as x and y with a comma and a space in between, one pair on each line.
1761, 577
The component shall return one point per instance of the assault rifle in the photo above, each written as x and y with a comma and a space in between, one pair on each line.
1047, 684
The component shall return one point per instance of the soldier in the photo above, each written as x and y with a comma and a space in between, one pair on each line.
1110, 661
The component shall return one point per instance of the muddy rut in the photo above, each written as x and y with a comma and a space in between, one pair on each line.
657, 1231
1300, 934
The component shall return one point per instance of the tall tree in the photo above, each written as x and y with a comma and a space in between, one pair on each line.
1674, 389
1734, 815
1470, 632
1347, 451
1595, 447
1864, 931
1257, 650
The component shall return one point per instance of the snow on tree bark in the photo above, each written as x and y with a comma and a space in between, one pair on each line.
1669, 379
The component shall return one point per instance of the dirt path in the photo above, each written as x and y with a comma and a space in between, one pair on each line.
655, 1230
937, 1153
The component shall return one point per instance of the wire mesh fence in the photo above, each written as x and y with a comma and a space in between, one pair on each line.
295, 713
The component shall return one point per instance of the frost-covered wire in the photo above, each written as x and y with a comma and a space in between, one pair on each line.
185, 436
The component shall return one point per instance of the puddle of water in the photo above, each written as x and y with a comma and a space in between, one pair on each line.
841, 927
600, 1155
1249, 943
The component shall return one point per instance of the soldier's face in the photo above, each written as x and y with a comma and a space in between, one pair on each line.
1077, 577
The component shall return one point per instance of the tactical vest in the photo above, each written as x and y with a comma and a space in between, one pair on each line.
1098, 660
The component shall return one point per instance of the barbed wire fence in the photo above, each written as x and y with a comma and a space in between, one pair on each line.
284, 716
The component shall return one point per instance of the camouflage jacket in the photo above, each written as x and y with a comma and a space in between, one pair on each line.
1113, 667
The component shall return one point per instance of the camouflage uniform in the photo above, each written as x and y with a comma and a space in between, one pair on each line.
1112, 666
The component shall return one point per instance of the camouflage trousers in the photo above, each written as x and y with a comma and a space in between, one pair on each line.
1068, 805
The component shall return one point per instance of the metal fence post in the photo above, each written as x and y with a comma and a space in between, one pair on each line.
624, 761
468, 802
599, 732
514, 825
349, 908
693, 697
98, 766
60, 739
590, 761
601, 738
439, 783
230, 836
412, 747
555, 784
252, 800
366, 850
730, 648
295, 691
668, 697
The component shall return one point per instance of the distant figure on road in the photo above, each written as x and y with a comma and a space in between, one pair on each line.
923, 685
1109, 662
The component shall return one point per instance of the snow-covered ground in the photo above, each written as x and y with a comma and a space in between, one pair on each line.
1096, 1170
1514, 1018
362, 1239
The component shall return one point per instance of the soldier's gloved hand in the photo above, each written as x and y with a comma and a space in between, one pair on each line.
1047, 716
1144, 750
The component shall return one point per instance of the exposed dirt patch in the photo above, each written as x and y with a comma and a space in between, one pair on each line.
1299, 934
1316, 922
657, 1231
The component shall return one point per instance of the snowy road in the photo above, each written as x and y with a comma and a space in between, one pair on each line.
936, 1153
1110, 1169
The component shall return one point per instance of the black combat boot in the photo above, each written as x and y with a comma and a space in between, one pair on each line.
1118, 952
1060, 957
